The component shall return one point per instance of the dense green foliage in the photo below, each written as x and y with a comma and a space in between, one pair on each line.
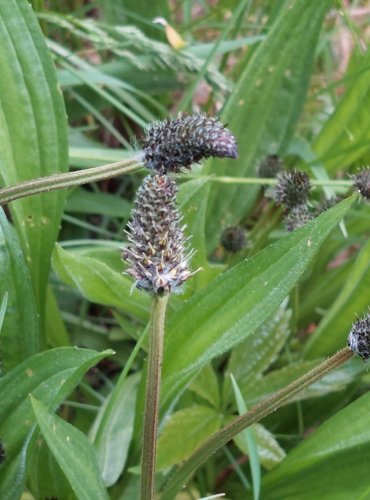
79, 83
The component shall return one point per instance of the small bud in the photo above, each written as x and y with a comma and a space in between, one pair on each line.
173, 144
156, 251
270, 167
292, 188
362, 182
328, 203
233, 239
359, 337
297, 217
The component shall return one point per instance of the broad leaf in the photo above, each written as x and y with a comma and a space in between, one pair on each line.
74, 453
33, 133
195, 424
99, 281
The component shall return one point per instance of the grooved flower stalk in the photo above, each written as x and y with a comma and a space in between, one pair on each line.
159, 262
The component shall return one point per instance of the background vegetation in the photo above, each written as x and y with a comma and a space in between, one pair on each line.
290, 78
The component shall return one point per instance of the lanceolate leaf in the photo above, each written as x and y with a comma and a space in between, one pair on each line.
332, 463
50, 376
20, 334
239, 301
264, 107
33, 132
74, 453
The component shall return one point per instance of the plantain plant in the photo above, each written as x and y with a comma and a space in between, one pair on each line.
225, 148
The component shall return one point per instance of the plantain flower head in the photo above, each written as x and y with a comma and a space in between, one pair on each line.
157, 252
171, 145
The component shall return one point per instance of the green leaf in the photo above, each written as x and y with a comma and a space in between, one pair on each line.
196, 424
248, 438
250, 359
50, 376
3, 306
86, 202
99, 282
45, 477
206, 386
345, 136
352, 299
20, 334
265, 105
112, 430
73, 452
33, 133
192, 198
332, 463
269, 451
337, 381
239, 301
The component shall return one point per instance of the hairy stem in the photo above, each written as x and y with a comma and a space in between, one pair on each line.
255, 414
153, 382
68, 179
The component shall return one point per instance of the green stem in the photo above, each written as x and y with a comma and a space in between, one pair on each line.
271, 182
153, 382
255, 414
68, 179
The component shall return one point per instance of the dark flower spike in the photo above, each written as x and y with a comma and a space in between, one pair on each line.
359, 337
297, 217
292, 188
157, 255
270, 166
233, 239
173, 144
361, 181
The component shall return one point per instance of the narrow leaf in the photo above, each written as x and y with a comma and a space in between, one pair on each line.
20, 334
248, 438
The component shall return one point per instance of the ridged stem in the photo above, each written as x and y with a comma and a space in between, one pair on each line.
153, 383
68, 179
255, 414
